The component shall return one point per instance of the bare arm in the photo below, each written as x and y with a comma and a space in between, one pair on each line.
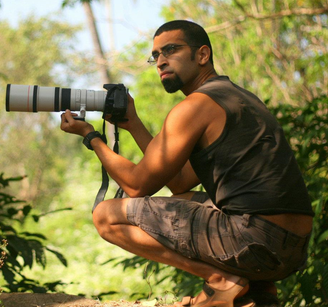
186, 178
164, 157
166, 154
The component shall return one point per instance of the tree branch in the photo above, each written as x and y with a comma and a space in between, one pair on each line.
281, 14
295, 12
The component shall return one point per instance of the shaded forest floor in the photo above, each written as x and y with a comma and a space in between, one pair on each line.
65, 300
57, 300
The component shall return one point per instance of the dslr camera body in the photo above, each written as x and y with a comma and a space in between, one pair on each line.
34, 98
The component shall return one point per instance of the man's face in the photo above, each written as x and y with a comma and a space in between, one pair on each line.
174, 60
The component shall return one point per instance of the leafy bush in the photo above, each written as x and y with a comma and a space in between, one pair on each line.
306, 128
24, 249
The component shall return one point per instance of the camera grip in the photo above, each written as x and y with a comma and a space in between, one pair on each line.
79, 118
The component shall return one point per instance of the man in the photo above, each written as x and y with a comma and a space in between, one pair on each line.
256, 223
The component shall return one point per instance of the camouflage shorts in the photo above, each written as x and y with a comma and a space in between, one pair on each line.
243, 245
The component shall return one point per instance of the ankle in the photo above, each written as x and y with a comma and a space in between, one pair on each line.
226, 282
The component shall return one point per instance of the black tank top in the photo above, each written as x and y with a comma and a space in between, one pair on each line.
250, 168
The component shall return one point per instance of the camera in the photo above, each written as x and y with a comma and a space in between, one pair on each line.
34, 98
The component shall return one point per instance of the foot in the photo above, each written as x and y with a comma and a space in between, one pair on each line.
217, 296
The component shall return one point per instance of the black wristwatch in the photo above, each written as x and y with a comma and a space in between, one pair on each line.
90, 136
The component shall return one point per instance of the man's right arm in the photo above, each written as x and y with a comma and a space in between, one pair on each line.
186, 179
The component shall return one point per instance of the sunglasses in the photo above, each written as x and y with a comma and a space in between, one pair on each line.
166, 51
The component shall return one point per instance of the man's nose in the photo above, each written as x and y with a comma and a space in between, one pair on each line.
162, 60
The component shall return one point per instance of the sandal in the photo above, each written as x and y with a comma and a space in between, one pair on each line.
219, 298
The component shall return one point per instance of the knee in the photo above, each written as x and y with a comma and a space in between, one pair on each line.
100, 218
108, 216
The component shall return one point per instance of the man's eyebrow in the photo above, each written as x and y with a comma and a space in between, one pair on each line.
165, 46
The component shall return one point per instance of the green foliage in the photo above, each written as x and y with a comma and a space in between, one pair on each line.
306, 128
42, 48
22, 249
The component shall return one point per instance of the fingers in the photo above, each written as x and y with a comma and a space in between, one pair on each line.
68, 116
70, 125
66, 120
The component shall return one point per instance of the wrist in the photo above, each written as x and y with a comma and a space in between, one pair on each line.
87, 131
134, 124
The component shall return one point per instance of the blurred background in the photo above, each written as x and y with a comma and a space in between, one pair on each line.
277, 49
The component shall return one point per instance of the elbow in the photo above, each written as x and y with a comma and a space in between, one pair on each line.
135, 194
141, 186
139, 192
178, 191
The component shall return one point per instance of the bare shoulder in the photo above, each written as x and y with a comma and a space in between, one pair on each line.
196, 99
198, 106
201, 115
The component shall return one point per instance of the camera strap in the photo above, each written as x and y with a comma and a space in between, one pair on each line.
105, 178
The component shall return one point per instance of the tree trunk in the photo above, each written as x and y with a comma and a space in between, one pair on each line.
100, 58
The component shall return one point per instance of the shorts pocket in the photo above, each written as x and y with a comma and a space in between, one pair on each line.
185, 247
254, 261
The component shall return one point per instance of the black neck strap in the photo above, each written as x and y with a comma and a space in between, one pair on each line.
105, 178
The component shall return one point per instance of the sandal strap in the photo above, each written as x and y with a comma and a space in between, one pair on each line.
208, 290
242, 282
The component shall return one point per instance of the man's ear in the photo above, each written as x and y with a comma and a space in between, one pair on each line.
204, 54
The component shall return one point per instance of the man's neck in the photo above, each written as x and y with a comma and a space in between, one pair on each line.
197, 82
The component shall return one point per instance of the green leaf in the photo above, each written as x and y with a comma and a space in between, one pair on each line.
35, 218
30, 234
22, 248
12, 211
39, 252
8, 274
26, 210
323, 237
307, 287
59, 256
325, 281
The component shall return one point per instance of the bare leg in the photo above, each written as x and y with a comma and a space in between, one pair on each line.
111, 222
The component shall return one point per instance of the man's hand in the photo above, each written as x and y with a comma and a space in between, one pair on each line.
70, 125
131, 116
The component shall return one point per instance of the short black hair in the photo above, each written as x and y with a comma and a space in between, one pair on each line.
194, 34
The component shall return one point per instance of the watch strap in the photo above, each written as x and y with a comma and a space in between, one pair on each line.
89, 137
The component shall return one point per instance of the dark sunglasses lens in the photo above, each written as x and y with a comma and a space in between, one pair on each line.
169, 50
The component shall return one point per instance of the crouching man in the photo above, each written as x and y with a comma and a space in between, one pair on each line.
255, 219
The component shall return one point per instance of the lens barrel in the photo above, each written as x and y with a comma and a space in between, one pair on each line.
34, 98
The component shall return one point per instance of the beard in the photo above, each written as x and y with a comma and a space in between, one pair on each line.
172, 85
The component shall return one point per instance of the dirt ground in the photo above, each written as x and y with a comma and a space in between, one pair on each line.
56, 300
65, 300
